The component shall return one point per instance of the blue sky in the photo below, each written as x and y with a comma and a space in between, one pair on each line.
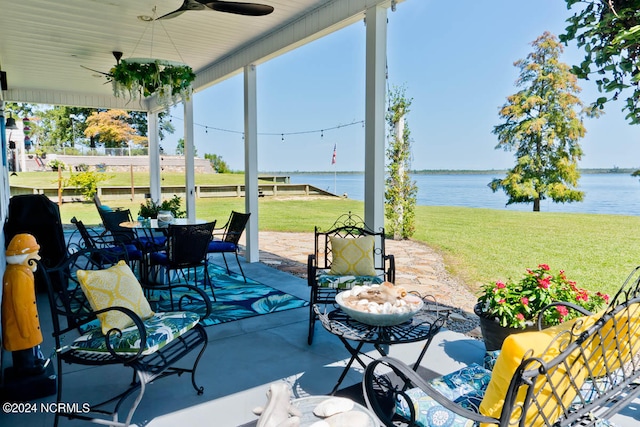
456, 63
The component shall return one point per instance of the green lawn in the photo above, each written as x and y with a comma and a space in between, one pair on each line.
597, 251
50, 179
479, 245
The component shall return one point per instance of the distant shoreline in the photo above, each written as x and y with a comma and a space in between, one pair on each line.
455, 171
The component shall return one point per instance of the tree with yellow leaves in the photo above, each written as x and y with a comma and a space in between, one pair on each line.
112, 129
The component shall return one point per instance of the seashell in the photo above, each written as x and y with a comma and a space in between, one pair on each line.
332, 406
321, 423
349, 419
386, 308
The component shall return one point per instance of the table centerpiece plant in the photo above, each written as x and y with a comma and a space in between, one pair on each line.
150, 209
514, 305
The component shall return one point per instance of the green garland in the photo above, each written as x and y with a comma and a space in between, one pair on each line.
171, 83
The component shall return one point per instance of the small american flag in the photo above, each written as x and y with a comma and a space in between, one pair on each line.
333, 158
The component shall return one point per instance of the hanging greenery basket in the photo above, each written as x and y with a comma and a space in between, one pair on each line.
169, 81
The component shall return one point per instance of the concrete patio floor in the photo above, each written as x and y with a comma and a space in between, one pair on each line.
243, 358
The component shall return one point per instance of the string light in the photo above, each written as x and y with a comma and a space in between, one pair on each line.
281, 134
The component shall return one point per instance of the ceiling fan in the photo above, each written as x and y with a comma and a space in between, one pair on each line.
249, 9
117, 55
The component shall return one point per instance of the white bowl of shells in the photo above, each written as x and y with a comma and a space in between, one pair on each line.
379, 305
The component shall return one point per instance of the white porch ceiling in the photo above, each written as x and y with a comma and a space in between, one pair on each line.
45, 43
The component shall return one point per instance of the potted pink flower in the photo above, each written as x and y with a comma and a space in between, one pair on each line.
513, 306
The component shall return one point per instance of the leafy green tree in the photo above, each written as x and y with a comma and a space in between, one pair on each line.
180, 148
19, 110
542, 126
138, 121
400, 191
218, 165
59, 126
609, 32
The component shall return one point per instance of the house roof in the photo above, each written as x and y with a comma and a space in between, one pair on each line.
45, 45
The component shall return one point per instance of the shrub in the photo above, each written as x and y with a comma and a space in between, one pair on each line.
86, 182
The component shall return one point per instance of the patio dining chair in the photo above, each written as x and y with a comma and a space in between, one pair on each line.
93, 240
112, 220
185, 254
101, 206
228, 243
91, 330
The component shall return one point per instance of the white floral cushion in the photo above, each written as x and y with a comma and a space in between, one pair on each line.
161, 329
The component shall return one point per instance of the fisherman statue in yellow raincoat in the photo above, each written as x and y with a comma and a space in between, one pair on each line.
21, 332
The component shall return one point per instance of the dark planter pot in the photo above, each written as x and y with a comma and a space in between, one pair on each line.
493, 333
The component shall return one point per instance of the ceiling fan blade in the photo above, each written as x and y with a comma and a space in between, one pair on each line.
186, 5
95, 71
249, 9
170, 15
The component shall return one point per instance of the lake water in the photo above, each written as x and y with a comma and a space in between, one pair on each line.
614, 193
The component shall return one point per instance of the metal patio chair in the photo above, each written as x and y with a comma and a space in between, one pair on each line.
185, 253
93, 240
228, 243
152, 346
324, 275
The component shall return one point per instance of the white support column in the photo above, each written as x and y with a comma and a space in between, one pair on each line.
251, 162
189, 162
154, 156
376, 54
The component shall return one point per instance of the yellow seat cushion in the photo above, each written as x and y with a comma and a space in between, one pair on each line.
618, 342
536, 344
352, 256
112, 287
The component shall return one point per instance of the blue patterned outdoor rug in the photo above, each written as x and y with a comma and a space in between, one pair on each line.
235, 299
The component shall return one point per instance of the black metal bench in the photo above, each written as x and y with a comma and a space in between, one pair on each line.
326, 277
580, 373
152, 347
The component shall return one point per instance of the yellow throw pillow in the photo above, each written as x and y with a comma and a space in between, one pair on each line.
114, 286
352, 256
539, 344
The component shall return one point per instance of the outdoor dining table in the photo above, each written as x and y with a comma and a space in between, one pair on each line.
153, 224
148, 229
422, 327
